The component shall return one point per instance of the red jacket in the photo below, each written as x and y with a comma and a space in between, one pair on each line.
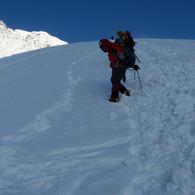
115, 52
116, 55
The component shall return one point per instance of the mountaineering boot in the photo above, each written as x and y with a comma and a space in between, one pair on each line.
113, 99
126, 92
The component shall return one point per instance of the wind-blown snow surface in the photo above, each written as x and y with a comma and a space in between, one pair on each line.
60, 136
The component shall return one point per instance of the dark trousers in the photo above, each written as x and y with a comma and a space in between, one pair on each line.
117, 75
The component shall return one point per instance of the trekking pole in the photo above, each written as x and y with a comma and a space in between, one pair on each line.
137, 59
139, 79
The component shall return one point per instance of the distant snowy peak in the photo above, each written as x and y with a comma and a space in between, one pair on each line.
2, 24
18, 41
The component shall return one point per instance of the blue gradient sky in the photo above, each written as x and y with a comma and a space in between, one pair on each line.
91, 20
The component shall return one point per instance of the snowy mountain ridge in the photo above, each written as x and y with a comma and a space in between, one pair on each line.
59, 135
18, 41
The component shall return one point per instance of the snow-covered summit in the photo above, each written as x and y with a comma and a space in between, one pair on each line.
2, 24
18, 41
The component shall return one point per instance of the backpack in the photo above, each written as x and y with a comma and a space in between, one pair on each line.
126, 41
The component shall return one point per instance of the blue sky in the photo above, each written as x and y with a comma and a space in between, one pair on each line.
91, 20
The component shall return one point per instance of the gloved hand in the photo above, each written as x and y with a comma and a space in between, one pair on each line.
136, 67
121, 56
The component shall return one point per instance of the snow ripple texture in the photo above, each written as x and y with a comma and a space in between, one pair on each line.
60, 136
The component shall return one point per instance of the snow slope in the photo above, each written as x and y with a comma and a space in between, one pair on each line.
60, 136
18, 41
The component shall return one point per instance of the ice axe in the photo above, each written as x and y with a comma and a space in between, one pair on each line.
139, 79
136, 68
